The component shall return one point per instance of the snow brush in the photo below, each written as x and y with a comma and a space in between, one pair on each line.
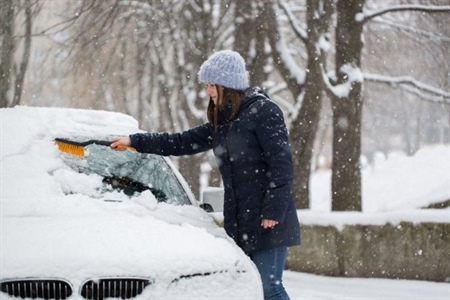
77, 148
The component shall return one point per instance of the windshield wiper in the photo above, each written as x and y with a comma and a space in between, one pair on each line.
130, 187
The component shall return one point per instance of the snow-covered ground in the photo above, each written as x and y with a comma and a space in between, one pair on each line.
395, 181
302, 286
395, 188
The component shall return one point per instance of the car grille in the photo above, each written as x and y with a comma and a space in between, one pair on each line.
41, 288
124, 288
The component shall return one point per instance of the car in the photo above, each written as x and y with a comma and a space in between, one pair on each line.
105, 224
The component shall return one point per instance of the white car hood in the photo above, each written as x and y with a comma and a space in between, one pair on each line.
96, 238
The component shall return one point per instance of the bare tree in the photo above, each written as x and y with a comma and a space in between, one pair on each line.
347, 107
7, 47
251, 34
20, 76
13, 76
305, 123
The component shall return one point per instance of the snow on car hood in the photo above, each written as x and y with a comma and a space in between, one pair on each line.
110, 244
46, 232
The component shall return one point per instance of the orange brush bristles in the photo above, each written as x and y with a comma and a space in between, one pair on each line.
70, 149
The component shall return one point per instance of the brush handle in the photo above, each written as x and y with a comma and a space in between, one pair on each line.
90, 142
84, 144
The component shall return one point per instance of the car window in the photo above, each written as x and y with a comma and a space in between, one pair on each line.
130, 172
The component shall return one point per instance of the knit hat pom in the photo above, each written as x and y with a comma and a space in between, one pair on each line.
225, 68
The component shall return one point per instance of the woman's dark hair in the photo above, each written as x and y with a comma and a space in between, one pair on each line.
228, 96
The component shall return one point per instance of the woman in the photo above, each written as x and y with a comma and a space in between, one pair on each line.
248, 135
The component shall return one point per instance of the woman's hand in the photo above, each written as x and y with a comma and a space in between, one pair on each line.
120, 143
268, 223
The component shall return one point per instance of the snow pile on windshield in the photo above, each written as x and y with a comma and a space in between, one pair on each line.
32, 167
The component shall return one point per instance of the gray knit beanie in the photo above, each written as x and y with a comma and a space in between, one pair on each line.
225, 68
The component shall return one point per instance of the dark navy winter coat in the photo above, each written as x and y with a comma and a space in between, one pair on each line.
254, 157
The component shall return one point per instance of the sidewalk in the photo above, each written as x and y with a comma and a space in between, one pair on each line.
303, 286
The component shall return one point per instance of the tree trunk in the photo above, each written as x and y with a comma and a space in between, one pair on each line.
250, 38
303, 133
20, 77
304, 128
243, 22
6, 48
347, 110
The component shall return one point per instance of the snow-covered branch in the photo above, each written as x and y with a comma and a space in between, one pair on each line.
298, 29
195, 6
412, 85
141, 8
289, 62
413, 31
342, 90
368, 15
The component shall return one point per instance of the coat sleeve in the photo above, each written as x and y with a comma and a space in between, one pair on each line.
192, 141
273, 136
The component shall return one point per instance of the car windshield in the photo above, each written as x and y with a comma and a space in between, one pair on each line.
130, 173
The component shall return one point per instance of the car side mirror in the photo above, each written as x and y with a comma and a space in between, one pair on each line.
213, 196
207, 207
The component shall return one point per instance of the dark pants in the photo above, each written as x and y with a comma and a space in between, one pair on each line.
270, 264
